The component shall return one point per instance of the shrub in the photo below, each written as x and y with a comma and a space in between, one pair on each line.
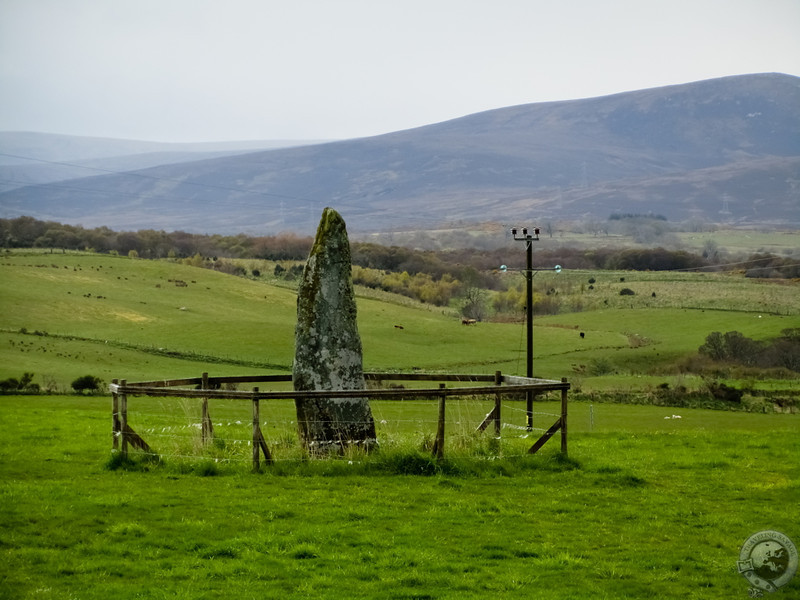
714, 346
9, 385
229, 268
733, 346
723, 392
24, 384
546, 305
292, 272
627, 292
474, 306
88, 383
600, 366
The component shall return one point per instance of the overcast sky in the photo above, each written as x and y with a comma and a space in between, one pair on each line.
211, 70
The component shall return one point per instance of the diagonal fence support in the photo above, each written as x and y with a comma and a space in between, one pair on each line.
494, 414
545, 436
561, 424
259, 443
123, 432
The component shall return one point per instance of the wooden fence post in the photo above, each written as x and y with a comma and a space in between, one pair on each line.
564, 418
206, 426
438, 443
529, 410
498, 380
115, 425
494, 443
256, 419
123, 408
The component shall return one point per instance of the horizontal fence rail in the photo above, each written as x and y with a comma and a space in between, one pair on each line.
206, 388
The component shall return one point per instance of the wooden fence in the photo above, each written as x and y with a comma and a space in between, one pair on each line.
205, 388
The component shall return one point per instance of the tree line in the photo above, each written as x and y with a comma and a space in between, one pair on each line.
27, 232
470, 266
735, 347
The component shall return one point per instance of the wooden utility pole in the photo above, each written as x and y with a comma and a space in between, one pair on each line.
528, 239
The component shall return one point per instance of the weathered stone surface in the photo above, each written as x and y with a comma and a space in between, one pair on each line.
328, 346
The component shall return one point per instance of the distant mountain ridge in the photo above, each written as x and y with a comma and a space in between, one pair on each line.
28, 158
723, 149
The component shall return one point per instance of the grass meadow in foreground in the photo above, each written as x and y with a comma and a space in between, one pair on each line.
645, 507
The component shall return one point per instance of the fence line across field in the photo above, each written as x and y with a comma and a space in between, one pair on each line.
206, 388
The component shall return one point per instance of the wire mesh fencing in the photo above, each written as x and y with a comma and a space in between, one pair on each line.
477, 422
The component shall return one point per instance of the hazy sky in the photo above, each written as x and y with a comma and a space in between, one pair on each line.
208, 70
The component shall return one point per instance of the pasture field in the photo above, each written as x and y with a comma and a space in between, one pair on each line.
645, 507
735, 242
784, 242
68, 315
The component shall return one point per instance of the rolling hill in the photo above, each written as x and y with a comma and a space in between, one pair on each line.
721, 150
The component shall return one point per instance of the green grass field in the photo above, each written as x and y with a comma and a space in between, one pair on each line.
115, 317
645, 507
738, 243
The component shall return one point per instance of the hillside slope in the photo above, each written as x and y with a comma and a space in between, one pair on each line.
67, 315
720, 150
123, 318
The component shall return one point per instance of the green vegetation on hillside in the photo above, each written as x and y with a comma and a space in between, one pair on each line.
66, 315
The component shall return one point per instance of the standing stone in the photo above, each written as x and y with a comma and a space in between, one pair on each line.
328, 347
